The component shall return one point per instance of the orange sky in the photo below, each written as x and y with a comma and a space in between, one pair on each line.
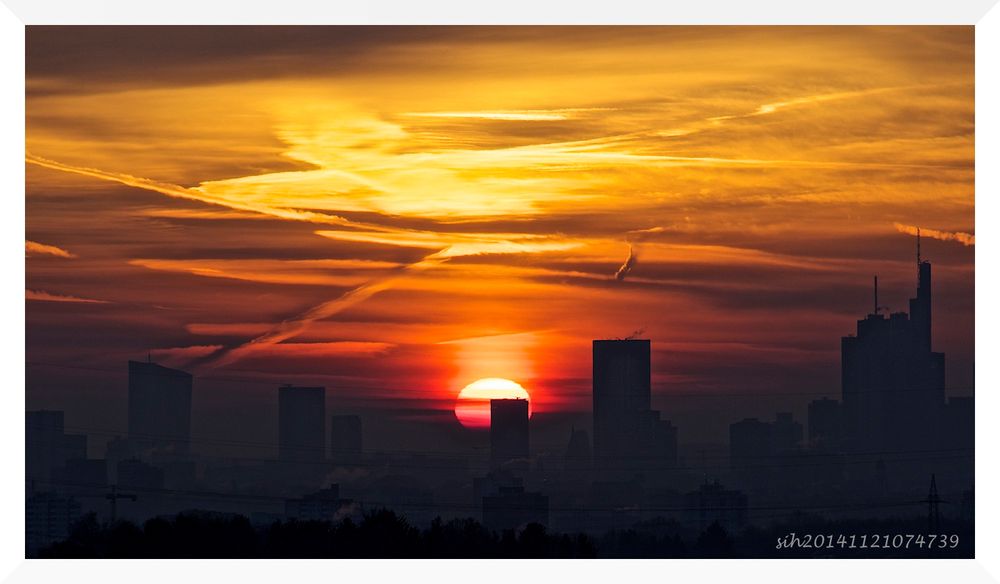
396, 212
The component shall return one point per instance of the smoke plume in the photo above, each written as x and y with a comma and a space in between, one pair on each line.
628, 265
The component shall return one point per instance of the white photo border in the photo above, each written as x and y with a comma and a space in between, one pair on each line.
18, 13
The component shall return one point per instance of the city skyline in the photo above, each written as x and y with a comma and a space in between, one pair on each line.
634, 465
696, 200
562, 291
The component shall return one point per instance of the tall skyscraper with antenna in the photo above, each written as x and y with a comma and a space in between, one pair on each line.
892, 382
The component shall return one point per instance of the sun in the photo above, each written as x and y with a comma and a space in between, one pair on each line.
473, 405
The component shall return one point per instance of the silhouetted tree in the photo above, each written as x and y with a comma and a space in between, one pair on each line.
714, 542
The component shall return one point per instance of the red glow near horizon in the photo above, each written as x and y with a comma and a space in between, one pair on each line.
473, 405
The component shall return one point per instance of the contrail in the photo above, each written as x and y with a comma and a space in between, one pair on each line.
966, 239
289, 328
197, 194
293, 326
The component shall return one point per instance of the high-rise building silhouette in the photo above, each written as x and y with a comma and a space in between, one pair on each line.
824, 421
662, 447
786, 434
48, 518
621, 393
345, 438
578, 455
47, 446
159, 408
81, 476
508, 430
749, 442
629, 436
301, 423
892, 382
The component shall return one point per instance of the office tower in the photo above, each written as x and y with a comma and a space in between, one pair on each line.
578, 452
786, 434
960, 423
621, 393
345, 438
301, 423
81, 476
48, 518
159, 408
824, 423
891, 380
508, 430
749, 442
629, 438
47, 446
665, 443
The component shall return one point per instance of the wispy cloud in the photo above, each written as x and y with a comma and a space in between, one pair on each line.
966, 239
42, 295
35, 248
294, 326
290, 272
537, 115
193, 194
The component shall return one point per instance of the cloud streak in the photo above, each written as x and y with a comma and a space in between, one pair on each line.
966, 239
43, 296
34, 248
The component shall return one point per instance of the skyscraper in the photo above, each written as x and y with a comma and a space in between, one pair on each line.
508, 430
629, 437
824, 420
47, 446
345, 438
892, 382
159, 408
48, 518
786, 433
621, 388
301, 423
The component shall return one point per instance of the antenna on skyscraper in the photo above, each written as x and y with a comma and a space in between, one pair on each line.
876, 296
918, 246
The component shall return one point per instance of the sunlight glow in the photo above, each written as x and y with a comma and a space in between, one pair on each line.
473, 406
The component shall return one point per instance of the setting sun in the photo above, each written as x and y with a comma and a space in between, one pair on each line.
473, 406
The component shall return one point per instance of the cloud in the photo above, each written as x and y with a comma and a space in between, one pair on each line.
514, 115
292, 327
44, 296
966, 239
288, 272
184, 356
194, 194
181, 356
35, 248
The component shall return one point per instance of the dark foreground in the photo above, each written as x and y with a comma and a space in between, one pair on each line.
383, 534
